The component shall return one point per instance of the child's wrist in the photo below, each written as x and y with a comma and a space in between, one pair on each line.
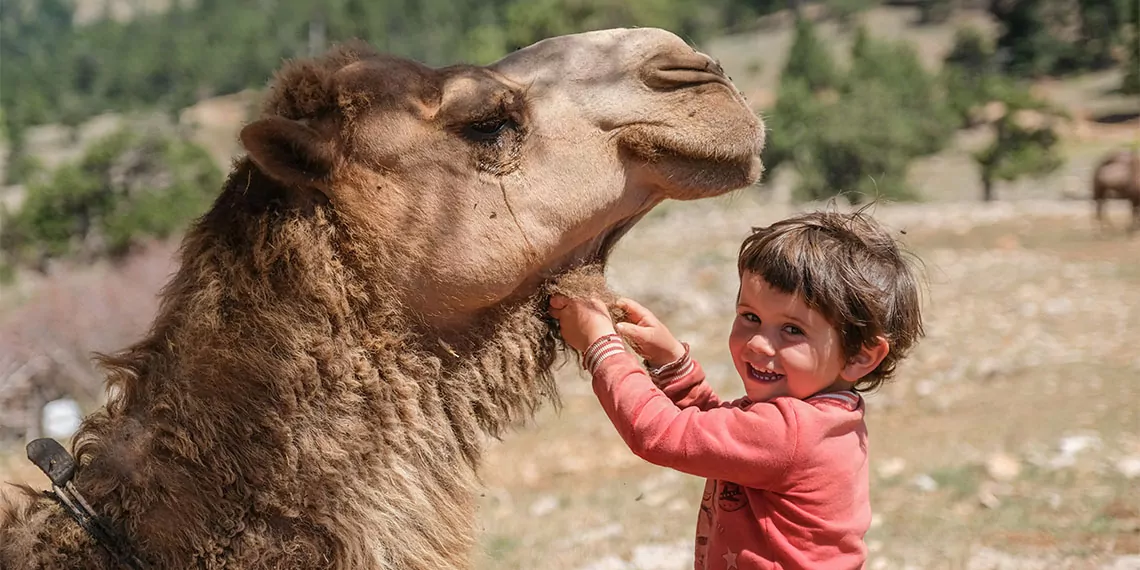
670, 367
602, 348
668, 356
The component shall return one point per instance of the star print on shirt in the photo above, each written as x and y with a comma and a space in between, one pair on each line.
730, 559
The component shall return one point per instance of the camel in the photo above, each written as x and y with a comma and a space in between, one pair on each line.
365, 302
1118, 177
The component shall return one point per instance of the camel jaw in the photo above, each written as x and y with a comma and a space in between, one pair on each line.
595, 252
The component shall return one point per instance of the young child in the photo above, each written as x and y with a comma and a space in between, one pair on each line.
827, 307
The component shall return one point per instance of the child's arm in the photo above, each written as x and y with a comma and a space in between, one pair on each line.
753, 447
666, 358
683, 380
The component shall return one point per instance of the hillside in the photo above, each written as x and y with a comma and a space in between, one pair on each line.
1010, 440
1101, 118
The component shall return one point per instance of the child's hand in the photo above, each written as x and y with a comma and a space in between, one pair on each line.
581, 321
648, 336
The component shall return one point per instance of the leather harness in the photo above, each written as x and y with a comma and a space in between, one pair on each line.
59, 466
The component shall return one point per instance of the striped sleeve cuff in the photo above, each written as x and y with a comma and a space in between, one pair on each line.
600, 350
666, 373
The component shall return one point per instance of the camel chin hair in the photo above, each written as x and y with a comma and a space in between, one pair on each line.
585, 282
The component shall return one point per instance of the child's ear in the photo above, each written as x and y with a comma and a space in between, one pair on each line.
866, 360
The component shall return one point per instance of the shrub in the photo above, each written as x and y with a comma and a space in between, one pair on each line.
126, 188
859, 137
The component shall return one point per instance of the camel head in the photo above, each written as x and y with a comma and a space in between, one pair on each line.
475, 185
360, 306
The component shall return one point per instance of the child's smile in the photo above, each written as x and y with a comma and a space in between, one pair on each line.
782, 347
764, 375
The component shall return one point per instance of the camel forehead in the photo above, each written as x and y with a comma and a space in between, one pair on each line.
387, 83
351, 78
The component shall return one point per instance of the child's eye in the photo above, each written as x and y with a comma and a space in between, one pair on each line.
793, 330
750, 317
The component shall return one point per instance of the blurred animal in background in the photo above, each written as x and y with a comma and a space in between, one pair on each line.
1117, 176
365, 303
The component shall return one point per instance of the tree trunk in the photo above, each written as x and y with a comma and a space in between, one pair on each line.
987, 188
316, 36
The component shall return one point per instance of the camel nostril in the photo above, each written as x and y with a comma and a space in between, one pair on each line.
674, 71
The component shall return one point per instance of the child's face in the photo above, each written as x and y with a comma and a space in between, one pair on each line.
783, 348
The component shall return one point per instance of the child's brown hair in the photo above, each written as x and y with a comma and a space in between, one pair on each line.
849, 269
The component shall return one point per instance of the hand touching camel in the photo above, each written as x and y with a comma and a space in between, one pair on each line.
648, 335
581, 320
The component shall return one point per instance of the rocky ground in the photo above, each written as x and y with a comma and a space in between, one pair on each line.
1010, 440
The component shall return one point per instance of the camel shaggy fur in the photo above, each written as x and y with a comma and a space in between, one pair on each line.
365, 302
1118, 177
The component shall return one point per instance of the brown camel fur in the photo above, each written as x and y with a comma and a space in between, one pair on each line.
365, 302
1118, 177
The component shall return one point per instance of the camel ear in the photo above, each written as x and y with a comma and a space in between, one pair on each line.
289, 151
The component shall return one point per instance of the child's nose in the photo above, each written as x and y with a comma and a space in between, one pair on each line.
760, 345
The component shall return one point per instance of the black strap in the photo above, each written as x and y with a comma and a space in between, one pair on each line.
59, 466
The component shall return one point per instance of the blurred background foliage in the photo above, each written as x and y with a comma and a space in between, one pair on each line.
847, 125
1012, 435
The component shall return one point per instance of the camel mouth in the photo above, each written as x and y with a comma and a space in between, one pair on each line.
582, 273
595, 252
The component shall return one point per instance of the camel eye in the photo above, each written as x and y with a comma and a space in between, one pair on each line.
486, 130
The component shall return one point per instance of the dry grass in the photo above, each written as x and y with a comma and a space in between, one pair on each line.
1033, 320
1033, 352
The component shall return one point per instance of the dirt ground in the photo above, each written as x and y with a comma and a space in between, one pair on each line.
1011, 438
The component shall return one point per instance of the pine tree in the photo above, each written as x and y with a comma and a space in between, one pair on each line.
809, 59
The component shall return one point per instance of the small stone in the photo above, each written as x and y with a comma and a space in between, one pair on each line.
988, 499
1075, 444
1054, 501
892, 467
543, 506
1070, 446
1003, 467
610, 562
925, 387
675, 556
1130, 562
925, 483
1129, 467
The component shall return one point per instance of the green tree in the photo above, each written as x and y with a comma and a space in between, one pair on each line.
528, 21
809, 59
1131, 81
1024, 142
911, 92
125, 188
970, 75
1050, 37
859, 137
845, 12
932, 12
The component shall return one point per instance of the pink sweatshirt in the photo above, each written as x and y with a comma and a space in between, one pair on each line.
787, 479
